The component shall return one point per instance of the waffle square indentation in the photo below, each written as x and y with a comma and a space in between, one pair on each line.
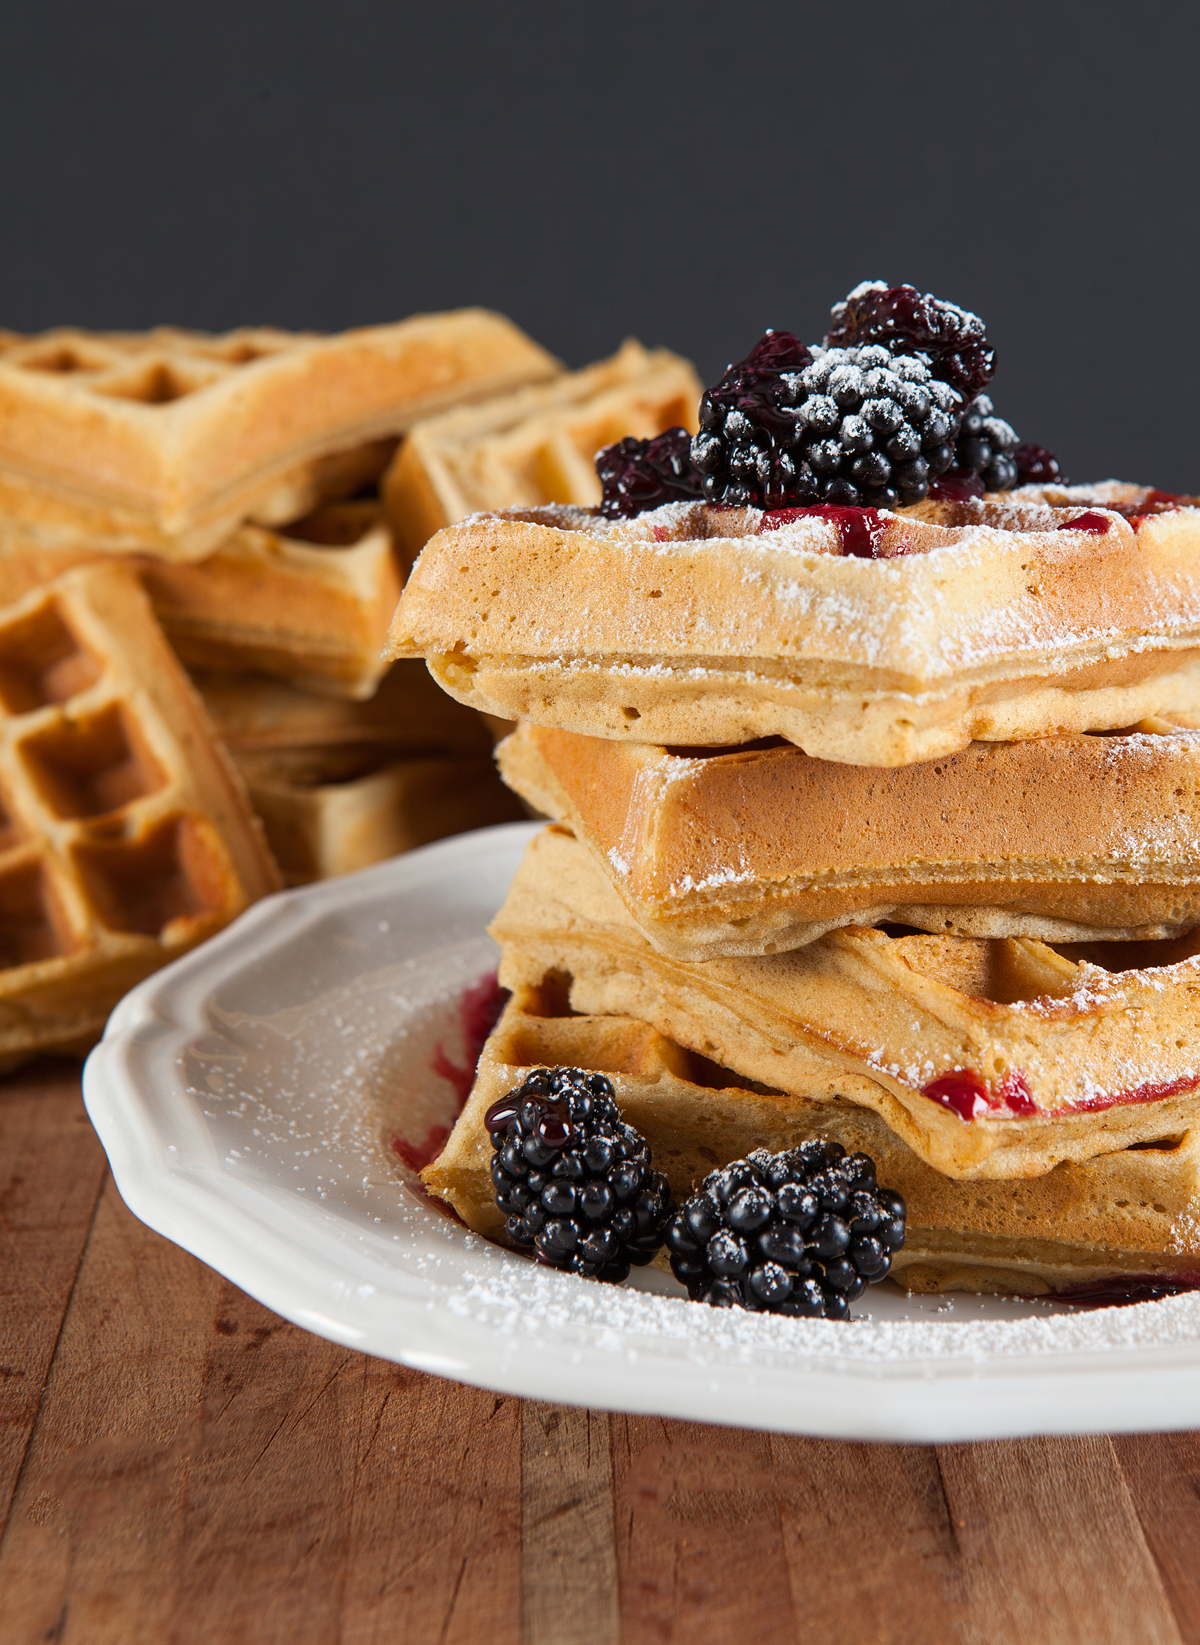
41, 661
93, 765
335, 525
64, 358
145, 885
11, 832
156, 382
32, 926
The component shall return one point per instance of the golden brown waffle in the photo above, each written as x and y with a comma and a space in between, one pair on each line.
534, 446
756, 850
167, 440
1129, 1215
698, 626
329, 811
309, 603
126, 834
989, 1058
407, 715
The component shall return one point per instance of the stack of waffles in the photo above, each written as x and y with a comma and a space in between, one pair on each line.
239, 474
242, 476
340, 784
894, 841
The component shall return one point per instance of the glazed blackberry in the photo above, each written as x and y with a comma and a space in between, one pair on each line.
745, 450
575, 1181
986, 446
855, 427
641, 474
1037, 466
953, 341
803, 1232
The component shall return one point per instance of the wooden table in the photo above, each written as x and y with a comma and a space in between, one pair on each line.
178, 1464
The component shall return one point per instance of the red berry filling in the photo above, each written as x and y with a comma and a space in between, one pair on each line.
1096, 525
860, 530
966, 1095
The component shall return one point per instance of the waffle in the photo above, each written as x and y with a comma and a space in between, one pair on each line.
309, 603
408, 715
166, 441
699, 626
330, 811
126, 835
761, 849
989, 1057
1128, 1216
534, 446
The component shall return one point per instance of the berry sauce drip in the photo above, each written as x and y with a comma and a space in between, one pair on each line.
478, 1013
1096, 525
1153, 503
802, 1232
1163, 502
860, 530
1121, 1290
573, 1180
1152, 1091
636, 475
1015, 1095
965, 1094
907, 322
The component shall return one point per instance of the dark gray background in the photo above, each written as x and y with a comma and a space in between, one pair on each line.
689, 173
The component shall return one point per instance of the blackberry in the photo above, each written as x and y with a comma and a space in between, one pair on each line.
855, 427
641, 474
748, 428
803, 1232
988, 452
575, 1181
906, 322
986, 446
1037, 466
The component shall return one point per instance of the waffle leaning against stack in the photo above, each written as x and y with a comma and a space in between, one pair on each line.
855, 858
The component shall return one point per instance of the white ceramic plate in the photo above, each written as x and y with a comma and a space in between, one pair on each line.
245, 1097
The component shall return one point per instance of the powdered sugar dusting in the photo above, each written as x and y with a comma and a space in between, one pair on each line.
516, 1298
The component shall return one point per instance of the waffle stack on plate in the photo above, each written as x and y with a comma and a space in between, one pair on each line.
895, 841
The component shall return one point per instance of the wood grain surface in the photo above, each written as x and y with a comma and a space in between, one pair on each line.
179, 1465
